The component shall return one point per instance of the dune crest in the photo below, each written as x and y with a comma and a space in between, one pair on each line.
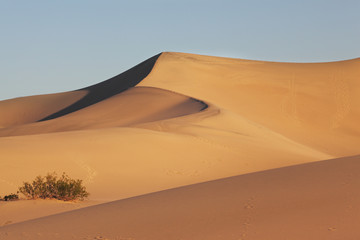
133, 106
109, 88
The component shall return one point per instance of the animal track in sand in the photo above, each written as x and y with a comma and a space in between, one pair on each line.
116, 238
249, 208
189, 173
91, 173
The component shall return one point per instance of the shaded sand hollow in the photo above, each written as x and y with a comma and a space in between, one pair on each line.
180, 119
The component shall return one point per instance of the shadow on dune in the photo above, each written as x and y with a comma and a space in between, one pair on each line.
109, 88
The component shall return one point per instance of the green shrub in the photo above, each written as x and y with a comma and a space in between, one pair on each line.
52, 187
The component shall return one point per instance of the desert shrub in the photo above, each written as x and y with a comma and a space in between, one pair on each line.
10, 197
52, 187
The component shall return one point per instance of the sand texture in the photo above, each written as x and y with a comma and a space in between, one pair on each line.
185, 146
310, 201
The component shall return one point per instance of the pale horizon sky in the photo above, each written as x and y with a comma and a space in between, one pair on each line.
55, 46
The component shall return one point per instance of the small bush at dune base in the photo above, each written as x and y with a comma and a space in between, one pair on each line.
52, 187
10, 197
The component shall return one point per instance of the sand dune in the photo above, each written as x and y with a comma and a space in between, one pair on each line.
293, 99
311, 201
31, 109
134, 106
19, 211
181, 119
133, 161
109, 88
18, 111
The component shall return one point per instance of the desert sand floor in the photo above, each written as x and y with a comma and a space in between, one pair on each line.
177, 120
310, 201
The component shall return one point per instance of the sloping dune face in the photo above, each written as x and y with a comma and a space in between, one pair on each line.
134, 106
18, 111
310, 201
180, 119
315, 104
110, 87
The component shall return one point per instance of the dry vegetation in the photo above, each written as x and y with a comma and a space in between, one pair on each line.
53, 187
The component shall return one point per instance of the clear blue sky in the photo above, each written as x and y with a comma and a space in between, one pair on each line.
52, 46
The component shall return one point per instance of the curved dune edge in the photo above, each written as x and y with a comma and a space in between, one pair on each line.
134, 106
109, 88
31, 109
314, 104
273, 204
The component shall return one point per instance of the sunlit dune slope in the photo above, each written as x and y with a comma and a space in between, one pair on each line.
310, 201
18, 111
122, 162
134, 106
315, 104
